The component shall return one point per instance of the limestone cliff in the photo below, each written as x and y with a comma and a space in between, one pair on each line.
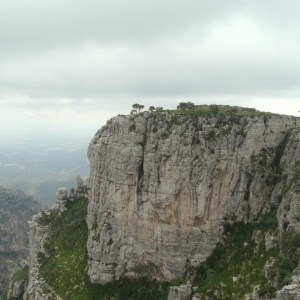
169, 194
162, 185
16, 208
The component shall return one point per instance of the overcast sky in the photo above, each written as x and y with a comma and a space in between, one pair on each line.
70, 65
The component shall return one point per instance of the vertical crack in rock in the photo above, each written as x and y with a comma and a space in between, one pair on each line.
140, 186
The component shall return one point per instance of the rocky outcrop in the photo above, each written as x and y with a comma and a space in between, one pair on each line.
37, 288
79, 191
36, 285
162, 186
16, 289
182, 292
289, 210
62, 198
16, 208
291, 291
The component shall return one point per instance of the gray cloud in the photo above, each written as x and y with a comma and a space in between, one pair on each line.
51, 23
64, 58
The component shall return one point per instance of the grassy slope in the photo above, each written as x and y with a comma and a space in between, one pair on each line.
234, 258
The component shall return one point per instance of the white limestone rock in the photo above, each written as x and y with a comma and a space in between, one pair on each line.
159, 197
80, 187
62, 198
289, 292
182, 292
255, 293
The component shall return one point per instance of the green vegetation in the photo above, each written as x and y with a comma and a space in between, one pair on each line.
236, 265
211, 135
46, 218
137, 107
239, 257
21, 274
177, 281
186, 106
225, 117
64, 267
191, 109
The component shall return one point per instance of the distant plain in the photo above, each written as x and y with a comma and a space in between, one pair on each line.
39, 166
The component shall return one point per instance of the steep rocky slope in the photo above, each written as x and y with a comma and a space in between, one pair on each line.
162, 186
209, 199
16, 208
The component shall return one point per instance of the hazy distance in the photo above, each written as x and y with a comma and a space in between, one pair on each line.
39, 164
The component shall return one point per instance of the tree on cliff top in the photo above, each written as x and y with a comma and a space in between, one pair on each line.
137, 106
214, 109
186, 105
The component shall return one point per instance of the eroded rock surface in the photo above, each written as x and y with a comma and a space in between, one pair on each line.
159, 195
182, 292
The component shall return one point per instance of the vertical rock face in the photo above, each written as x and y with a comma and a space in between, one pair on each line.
159, 194
16, 208
289, 211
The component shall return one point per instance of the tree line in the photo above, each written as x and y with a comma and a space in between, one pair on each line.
184, 106
136, 108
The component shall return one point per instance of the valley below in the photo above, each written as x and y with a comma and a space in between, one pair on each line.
39, 166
